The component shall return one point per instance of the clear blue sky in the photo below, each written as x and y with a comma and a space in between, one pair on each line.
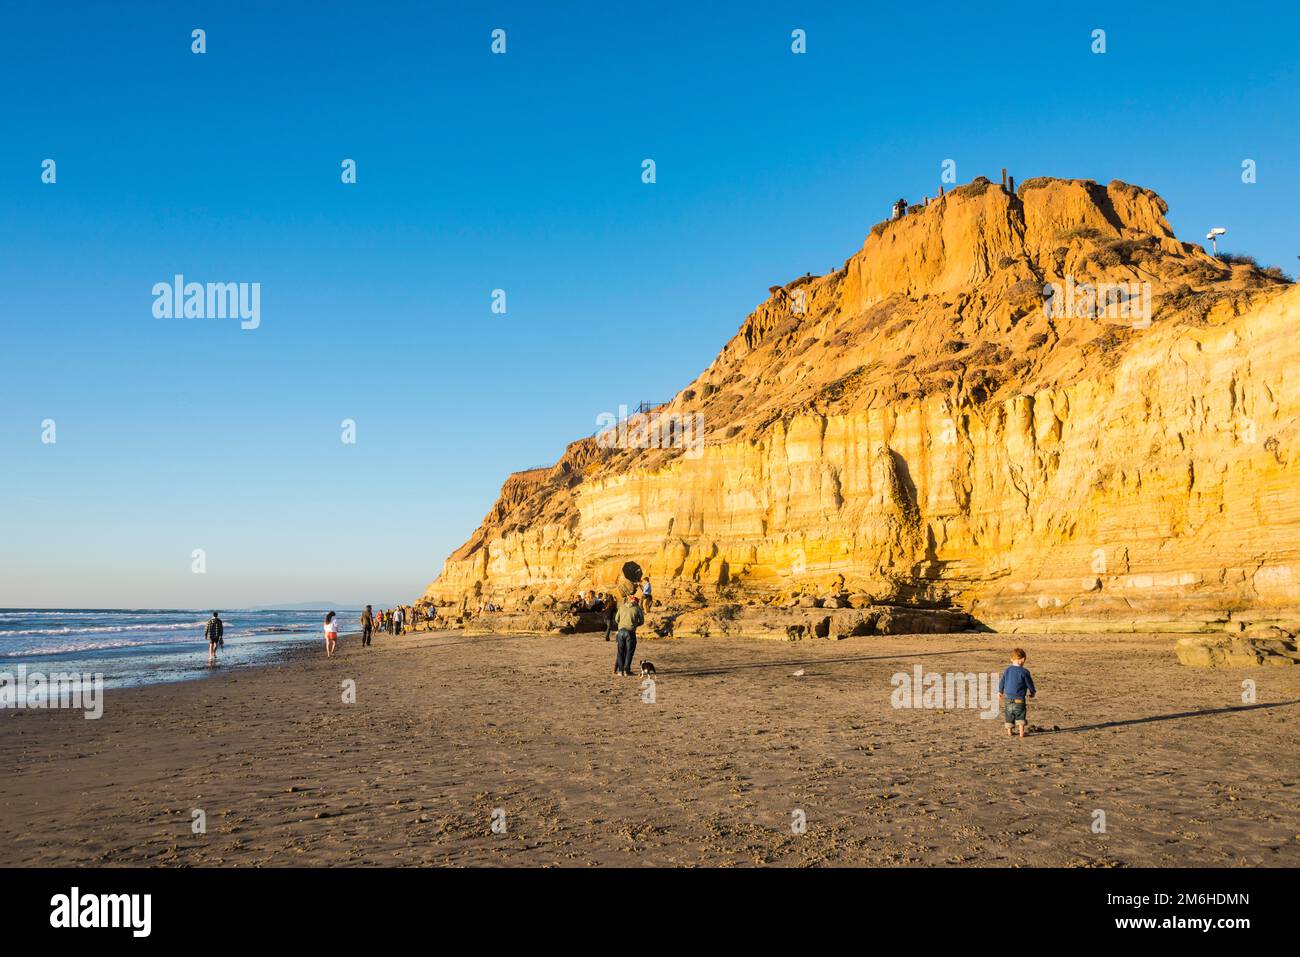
477, 172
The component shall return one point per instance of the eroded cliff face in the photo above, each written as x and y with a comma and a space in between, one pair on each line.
918, 426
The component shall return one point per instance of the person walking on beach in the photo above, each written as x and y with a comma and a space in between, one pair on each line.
399, 619
1016, 687
610, 608
367, 624
628, 618
214, 632
331, 634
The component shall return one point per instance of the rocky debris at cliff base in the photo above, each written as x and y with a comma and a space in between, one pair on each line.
1238, 651
541, 622
798, 624
738, 621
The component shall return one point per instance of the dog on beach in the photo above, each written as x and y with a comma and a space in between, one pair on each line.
647, 668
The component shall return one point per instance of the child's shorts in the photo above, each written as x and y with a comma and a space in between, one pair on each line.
1016, 712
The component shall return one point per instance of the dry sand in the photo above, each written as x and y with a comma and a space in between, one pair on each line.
448, 729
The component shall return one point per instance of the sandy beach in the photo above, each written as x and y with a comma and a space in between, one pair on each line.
451, 734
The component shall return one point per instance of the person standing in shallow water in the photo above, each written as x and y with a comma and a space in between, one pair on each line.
214, 631
629, 616
367, 625
331, 634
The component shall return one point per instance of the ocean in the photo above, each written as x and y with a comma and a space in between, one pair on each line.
151, 645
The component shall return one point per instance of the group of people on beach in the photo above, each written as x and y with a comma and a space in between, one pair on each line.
391, 621
622, 618
604, 601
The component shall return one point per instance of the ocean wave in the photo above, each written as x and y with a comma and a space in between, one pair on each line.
100, 629
78, 646
92, 646
95, 612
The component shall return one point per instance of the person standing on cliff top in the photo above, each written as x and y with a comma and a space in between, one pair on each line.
628, 618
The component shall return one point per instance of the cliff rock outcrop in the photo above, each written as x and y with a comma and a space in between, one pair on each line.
922, 426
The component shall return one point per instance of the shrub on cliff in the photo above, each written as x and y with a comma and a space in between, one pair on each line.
976, 187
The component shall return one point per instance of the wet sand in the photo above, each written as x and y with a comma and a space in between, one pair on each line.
451, 732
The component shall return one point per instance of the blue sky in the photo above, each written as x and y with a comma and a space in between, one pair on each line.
475, 172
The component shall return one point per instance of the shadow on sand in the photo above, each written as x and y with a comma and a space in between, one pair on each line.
1175, 716
799, 662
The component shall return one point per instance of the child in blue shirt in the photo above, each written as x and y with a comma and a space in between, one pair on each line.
1015, 687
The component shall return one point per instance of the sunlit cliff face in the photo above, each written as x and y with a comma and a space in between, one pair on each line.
1042, 407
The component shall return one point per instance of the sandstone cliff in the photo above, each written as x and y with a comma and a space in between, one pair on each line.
918, 426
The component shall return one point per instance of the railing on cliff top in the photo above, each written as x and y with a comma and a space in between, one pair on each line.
642, 408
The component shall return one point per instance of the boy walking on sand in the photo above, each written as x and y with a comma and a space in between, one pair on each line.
367, 626
1015, 688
